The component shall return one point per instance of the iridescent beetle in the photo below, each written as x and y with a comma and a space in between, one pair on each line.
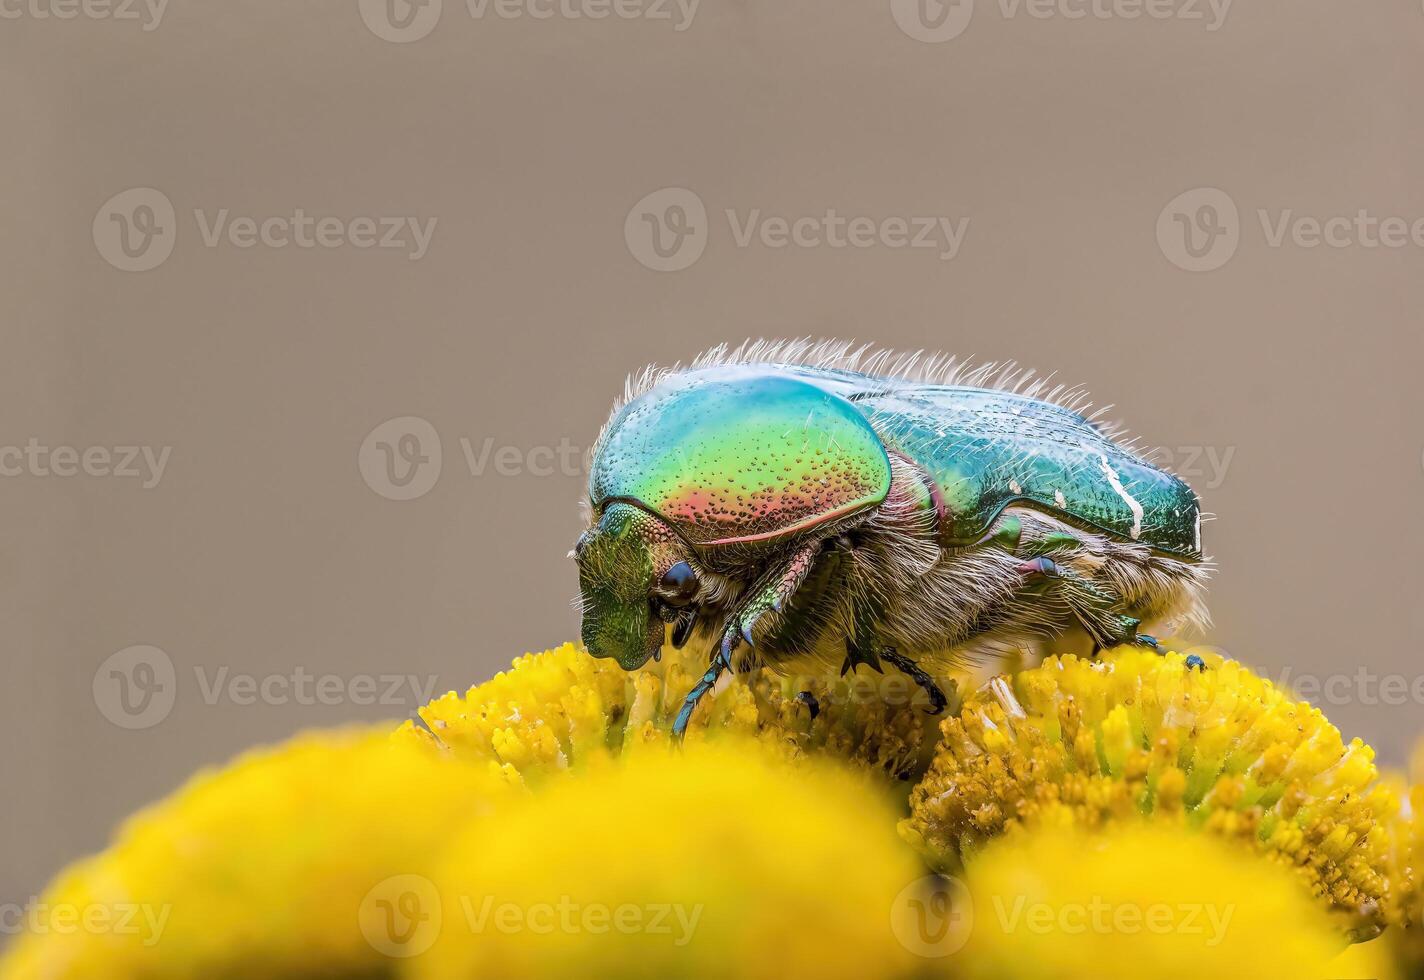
829, 508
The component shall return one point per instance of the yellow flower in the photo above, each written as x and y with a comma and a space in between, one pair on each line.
543, 825
1146, 901
563, 709
722, 860
1097, 745
262, 869
1405, 937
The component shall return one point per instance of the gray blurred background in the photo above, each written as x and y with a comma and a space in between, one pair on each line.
1279, 369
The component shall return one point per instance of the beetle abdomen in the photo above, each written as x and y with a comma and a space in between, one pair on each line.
988, 449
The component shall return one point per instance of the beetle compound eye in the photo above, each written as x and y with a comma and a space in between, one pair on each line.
678, 585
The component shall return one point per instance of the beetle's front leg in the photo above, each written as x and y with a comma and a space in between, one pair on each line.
773, 596
721, 660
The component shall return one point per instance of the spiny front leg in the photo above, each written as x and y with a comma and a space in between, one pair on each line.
771, 597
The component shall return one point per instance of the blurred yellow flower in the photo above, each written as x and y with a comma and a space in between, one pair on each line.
1405, 938
261, 869
563, 709
1100, 744
723, 860
1144, 901
542, 825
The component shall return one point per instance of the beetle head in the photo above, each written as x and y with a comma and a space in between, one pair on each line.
635, 572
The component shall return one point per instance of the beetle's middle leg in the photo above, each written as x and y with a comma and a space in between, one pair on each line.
866, 647
913, 670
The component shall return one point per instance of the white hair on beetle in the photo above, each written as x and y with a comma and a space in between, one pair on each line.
918, 367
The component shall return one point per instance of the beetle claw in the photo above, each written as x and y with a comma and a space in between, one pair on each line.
683, 630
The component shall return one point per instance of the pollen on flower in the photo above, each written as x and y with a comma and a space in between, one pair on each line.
1097, 744
562, 709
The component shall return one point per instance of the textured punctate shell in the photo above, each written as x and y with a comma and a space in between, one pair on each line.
739, 454
684, 450
988, 449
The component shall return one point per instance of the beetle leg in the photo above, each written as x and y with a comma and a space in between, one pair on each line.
721, 660
1092, 607
1090, 604
772, 597
811, 703
907, 666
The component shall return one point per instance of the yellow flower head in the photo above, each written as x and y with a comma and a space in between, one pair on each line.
563, 709
1406, 904
722, 860
1098, 745
1146, 901
262, 869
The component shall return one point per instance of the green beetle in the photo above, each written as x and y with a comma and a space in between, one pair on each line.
816, 507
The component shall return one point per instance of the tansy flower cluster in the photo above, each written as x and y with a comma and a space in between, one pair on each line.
563, 709
1097, 745
1125, 816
